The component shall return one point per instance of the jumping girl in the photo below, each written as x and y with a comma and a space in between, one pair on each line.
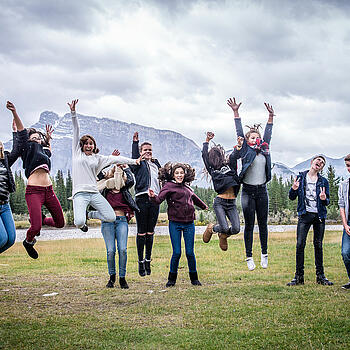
39, 191
115, 185
7, 186
255, 173
226, 184
181, 214
86, 165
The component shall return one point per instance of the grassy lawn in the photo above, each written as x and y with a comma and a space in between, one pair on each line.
234, 309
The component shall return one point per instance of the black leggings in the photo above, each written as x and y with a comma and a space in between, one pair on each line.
255, 199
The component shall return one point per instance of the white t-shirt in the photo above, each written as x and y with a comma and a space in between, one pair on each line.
310, 195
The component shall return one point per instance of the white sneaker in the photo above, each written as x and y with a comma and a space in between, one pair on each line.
264, 261
250, 263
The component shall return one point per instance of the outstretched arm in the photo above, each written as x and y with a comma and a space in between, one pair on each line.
10, 106
49, 132
135, 151
268, 128
205, 153
235, 107
75, 123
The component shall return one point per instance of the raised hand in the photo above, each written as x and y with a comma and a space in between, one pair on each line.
232, 103
116, 153
323, 196
49, 131
210, 136
240, 141
138, 160
151, 193
296, 184
135, 136
10, 106
269, 108
72, 105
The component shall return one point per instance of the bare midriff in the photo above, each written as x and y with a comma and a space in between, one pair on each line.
119, 212
228, 194
39, 177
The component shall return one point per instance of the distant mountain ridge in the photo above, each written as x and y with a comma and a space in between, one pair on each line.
168, 145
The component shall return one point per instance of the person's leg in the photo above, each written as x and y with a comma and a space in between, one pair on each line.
81, 200
122, 243
232, 214
188, 233
7, 228
141, 220
345, 251
303, 227
222, 225
54, 207
35, 197
108, 230
175, 230
248, 207
319, 227
262, 211
104, 211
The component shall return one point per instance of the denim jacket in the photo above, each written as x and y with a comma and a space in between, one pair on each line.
343, 197
300, 193
248, 154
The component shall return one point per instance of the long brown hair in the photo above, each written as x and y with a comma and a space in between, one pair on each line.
84, 139
166, 173
2, 155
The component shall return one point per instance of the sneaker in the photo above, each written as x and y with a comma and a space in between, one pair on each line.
223, 241
84, 228
208, 233
123, 284
264, 261
296, 281
29, 246
148, 266
321, 279
250, 263
346, 286
142, 271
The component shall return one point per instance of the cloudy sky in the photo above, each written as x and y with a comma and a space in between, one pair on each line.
173, 64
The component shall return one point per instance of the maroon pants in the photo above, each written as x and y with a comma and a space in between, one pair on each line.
36, 197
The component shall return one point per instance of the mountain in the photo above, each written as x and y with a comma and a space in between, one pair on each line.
167, 145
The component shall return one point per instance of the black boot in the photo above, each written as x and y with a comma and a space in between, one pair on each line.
123, 284
171, 279
321, 279
194, 278
298, 279
111, 281
30, 249
148, 266
84, 228
142, 271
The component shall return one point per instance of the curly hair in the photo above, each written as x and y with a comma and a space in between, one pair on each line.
166, 173
44, 141
253, 130
84, 139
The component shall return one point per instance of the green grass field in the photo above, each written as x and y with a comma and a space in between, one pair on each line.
234, 309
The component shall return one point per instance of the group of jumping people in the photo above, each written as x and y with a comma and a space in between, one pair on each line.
103, 182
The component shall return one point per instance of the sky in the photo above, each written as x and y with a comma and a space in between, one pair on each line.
173, 65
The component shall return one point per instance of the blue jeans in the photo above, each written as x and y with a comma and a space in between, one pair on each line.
188, 230
345, 250
226, 208
111, 231
81, 200
7, 227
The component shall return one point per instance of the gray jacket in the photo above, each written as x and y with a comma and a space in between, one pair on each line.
343, 197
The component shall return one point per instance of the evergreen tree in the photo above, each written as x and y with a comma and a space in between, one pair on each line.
69, 189
61, 190
17, 199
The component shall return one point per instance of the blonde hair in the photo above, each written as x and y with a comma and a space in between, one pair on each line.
2, 154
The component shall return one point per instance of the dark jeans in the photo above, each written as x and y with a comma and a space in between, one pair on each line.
226, 208
255, 199
176, 229
345, 250
304, 223
147, 217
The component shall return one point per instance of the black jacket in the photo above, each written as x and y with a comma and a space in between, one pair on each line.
125, 190
225, 177
142, 171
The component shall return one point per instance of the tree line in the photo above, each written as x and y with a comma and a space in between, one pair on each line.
281, 209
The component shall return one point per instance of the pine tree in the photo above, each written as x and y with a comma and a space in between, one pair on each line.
69, 189
61, 190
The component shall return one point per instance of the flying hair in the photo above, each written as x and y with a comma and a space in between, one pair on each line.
253, 130
166, 173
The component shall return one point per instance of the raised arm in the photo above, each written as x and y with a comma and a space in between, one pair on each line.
235, 107
75, 123
10, 106
135, 150
268, 128
48, 136
164, 192
205, 153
